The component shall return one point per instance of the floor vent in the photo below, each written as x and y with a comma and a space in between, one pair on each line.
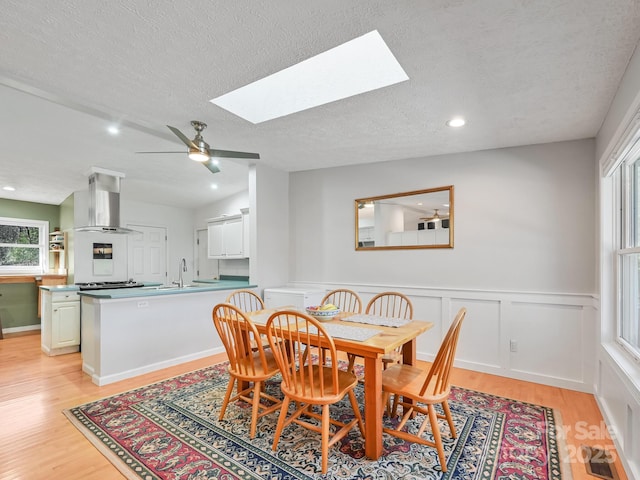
599, 463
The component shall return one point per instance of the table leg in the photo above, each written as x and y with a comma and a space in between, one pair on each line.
409, 358
373, 407
409, 352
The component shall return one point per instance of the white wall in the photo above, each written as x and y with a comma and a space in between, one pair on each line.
617, 381
177, 221
622, 109
524, 221
227, 206
523, 261
271, 251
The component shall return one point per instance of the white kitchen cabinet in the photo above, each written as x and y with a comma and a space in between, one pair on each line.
226, 237
366, 234
438, 236
394, 239
215, 240
60, 322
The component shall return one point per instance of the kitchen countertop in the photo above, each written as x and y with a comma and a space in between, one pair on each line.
74, 288
59, 288
198, 286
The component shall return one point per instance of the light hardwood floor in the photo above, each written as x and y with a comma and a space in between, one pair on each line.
38, 442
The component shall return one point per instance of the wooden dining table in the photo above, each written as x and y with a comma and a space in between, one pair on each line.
372, 350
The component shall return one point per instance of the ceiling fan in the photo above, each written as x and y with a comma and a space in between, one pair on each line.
199, 150
436, 217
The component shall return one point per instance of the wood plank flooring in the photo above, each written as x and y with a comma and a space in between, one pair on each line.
38, 442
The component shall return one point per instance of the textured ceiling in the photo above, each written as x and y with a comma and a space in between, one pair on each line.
521, 72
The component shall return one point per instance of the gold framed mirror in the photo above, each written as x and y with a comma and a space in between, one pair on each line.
408, 220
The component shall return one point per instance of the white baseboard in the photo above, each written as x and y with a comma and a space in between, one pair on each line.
116, 377
26, 328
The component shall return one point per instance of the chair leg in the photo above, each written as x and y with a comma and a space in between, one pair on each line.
385, 402
394, 406
325, 438
391, 409
352, 362
227, 396
447, 413
433, 419
356, 411
281, 419
255, 408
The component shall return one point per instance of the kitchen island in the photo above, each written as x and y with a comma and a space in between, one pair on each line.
131, 331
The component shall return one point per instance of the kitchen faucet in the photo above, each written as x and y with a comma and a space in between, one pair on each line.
182, 267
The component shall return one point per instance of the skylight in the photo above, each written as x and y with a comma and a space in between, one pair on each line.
360, 65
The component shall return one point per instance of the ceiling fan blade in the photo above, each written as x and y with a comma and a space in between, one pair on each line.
187, 141
163, 152
232, 154
209, 165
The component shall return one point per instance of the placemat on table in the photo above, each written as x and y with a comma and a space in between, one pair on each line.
350, 333
377, 320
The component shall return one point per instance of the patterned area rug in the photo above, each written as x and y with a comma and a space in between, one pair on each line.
170, 430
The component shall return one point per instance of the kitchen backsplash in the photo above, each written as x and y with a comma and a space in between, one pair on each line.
238, 267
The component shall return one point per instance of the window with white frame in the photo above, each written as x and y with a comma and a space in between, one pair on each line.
627, 179
24, 245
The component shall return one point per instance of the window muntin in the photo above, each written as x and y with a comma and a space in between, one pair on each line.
23, 246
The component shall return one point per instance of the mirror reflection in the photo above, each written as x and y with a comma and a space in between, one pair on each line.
417, 219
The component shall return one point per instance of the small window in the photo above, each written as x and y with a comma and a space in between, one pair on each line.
23, 246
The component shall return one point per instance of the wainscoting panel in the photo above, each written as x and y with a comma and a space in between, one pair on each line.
620, 405
479, 342
430, 309
547, 338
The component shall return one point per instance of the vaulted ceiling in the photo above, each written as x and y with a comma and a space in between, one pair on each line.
520, 72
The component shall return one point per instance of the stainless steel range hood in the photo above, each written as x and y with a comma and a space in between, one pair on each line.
104, 203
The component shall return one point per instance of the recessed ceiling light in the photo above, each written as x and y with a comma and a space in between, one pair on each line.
214, 186
113, 130
9, 188
360, 65
456, 122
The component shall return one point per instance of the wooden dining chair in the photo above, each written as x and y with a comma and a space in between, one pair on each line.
246, 300
345, 299
311, 382
348, 301
248, 362
419, 387
395, 305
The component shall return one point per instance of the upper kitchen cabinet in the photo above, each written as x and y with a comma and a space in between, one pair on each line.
228, 236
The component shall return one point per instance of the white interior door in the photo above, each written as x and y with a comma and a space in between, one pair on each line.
206, 267
148, 254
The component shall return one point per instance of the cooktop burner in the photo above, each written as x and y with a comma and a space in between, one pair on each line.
108, 285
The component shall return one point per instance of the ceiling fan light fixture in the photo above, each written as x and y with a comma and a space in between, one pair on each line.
198, 156
456, 122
